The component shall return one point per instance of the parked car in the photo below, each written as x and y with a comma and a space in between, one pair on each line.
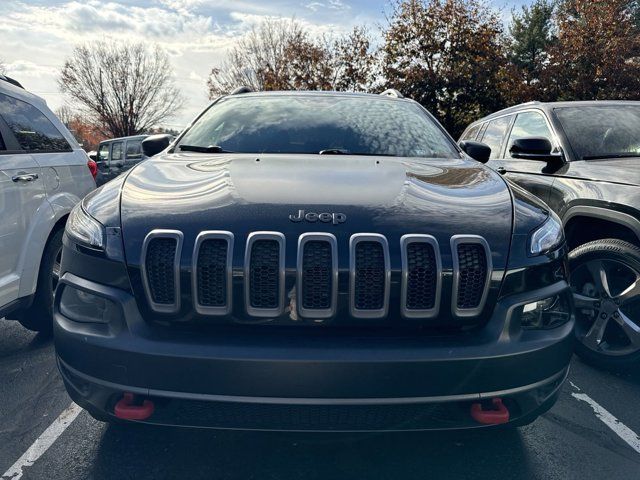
43, 174
118, 155
313, 261
583, 160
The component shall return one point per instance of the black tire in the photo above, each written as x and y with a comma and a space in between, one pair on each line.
606, 321
39, 316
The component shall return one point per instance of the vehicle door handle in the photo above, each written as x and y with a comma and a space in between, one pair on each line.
501, 170
25, 177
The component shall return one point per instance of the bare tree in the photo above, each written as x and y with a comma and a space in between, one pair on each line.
123, 89
257, 60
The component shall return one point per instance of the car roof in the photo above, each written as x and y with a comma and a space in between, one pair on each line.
132, 137
20, 93
316, 93
551, 105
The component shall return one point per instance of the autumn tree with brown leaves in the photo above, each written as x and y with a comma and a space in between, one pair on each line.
597, 55
448, 55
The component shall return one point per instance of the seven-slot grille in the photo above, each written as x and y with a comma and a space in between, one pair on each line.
317, 274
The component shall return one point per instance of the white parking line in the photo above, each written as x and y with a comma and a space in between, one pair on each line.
43, 442
619, 428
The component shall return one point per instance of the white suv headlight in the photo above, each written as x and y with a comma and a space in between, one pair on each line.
84, 228
547, 237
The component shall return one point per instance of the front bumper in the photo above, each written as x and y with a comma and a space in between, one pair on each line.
296, 379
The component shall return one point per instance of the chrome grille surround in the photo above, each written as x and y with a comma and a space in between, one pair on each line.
315, 312
405, 241
457, 240
353, 244
179, 239
251, 240
200, 240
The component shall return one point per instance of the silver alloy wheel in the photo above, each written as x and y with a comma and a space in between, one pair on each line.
55, 271
607, 300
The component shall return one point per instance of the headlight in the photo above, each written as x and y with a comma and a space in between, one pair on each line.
84, 228
547, 237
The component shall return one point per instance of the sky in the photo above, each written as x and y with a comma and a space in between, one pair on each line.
37, 36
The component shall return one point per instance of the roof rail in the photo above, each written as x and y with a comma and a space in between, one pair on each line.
392, 92
11, 81
243, 89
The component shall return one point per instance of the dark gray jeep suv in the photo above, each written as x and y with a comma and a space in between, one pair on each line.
583, 160
313, 261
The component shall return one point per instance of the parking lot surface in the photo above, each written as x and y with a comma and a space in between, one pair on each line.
590, 433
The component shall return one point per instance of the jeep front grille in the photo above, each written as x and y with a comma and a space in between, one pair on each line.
317, 273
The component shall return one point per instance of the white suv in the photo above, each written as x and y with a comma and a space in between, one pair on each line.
43, 174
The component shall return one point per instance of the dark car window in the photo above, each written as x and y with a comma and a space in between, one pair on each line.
472, 133
528, 124
34, 131
495, 133
602, 131
134, 149
116, 151
2, 145
312, 123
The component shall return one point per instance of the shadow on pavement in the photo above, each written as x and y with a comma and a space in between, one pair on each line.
152, 452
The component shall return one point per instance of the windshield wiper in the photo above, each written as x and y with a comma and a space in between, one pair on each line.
334, 151
610, 155
199, 149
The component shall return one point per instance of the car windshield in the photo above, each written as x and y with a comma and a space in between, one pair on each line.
602, 131
315, 124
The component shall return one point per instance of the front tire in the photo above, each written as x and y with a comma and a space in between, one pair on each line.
605, 279
39, 316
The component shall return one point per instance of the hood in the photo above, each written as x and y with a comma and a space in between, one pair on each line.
614, 170
244, 193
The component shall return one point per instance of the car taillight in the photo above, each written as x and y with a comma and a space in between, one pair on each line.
93, 168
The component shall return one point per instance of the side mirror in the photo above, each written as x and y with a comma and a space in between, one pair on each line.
476, 150
534, 148
155, 144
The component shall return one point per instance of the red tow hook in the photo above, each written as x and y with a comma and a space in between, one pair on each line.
498, 415
127, 410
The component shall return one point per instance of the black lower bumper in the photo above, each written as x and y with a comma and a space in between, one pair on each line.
312, 381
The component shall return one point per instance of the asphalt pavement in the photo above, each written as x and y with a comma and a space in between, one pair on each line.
591, 433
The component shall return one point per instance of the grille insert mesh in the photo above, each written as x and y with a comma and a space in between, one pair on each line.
212, 273
472, 261
317, 281
160, 266
370, 276
422, 276
264, 274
